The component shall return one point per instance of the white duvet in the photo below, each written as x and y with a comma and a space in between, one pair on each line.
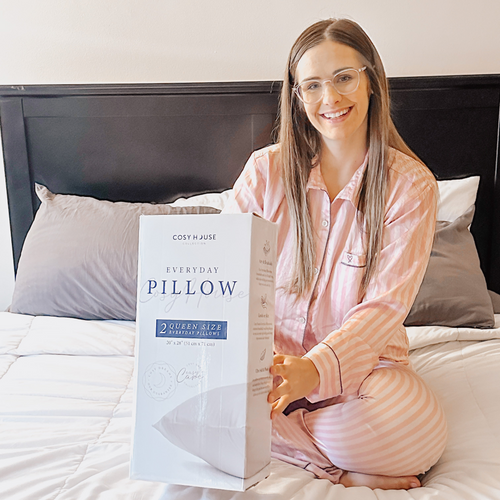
66, 390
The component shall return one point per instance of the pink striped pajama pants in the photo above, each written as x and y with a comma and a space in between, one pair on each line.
393, 426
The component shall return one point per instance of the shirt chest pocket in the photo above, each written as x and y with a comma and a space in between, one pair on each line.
351, 259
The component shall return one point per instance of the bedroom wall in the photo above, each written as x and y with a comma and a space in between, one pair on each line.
91, 41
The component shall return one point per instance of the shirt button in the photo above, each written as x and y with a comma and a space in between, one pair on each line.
316, 270
325, 223
302, 320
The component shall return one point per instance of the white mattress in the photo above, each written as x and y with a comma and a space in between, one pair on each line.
66, 393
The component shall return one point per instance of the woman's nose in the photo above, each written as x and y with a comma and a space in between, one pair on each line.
330, 94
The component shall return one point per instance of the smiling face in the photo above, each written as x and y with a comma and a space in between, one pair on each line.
342, 120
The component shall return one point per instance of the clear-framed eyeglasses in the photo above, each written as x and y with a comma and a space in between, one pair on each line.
344, 82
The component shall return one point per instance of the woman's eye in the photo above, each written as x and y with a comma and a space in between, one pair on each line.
312, 86
343, 78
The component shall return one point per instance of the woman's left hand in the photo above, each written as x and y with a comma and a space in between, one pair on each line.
299, 378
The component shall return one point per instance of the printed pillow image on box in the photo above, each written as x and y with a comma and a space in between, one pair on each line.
220, 441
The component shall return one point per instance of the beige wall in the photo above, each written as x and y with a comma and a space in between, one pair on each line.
90, 41
78, 41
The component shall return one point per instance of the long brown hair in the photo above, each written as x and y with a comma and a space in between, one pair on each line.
300, 149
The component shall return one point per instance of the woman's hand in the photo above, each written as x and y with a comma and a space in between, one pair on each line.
299, 378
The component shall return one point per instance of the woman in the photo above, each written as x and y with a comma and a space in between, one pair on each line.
356, 212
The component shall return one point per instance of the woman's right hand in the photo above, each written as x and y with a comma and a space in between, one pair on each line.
299, 377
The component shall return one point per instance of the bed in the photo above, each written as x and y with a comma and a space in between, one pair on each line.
83, 161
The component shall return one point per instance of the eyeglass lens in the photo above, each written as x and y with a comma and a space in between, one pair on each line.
344, 82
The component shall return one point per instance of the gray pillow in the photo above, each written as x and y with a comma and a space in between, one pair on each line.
454, 291
495, 300
79, 258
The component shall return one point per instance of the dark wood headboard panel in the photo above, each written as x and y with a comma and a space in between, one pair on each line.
157, 142
129, 142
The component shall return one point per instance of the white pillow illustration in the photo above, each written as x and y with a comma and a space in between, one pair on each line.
212, 426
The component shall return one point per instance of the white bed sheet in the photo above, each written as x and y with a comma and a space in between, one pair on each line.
66, 396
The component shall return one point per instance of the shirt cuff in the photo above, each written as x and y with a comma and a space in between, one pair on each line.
330, 377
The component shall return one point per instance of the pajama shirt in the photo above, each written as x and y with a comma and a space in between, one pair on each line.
370, 412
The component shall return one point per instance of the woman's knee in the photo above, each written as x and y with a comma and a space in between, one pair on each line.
395, 426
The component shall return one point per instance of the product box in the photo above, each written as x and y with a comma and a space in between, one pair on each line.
205, 325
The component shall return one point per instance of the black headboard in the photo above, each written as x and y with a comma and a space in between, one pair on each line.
157, 142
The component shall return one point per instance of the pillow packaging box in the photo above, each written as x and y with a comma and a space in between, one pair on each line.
205, 327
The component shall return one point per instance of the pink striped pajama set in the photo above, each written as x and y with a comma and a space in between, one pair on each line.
374, 414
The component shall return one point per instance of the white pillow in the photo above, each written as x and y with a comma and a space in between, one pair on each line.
215, 200
212, 426
456, 196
